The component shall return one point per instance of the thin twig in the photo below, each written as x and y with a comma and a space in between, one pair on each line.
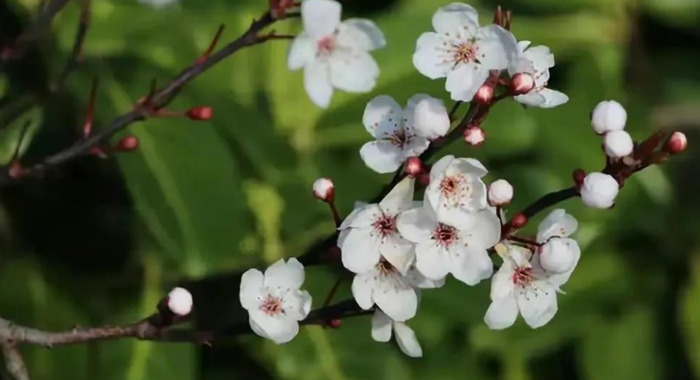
549, 200
78, 42
13, 361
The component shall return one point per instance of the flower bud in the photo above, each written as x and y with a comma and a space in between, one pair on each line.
474, 135
518, 221
676, 143
599, 190
608, 116
16, 170
323, 189
578, 175
558, 255
500, 193
128, 144
180, 301
335, 323
484, 94
200, 113
414, 166
618, 144
424, 179
521, 83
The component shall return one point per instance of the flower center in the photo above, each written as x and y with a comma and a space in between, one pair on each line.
325, 46
454, 188
522, 276
444, 235
272, 305
385, 225
400, 138
464, 52
385, 268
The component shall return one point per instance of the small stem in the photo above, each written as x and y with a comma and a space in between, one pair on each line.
13, 361
334, 289
22, 135
454, 109
524, 240
336, 215
549, 200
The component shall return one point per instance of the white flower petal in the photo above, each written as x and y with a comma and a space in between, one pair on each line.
297, 304
398, 252
381, 117
432, 260
359, 249
362, 216
497, 47
453, 17
559, 255
552, 98
400, 198
407, 341
531, 99
320, 17
252, 283
363, 289
417, 280
279, 329
301, 52
502, 286
558, 280
416, 225
430, 118
501, 313
486, 229
538, 305
396, 297
381, 326
428, 59
353, 71
317, 83
382, 156
360, 34
471, 264
557, 223
289, 275
463, 82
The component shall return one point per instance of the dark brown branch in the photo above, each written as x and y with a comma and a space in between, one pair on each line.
159, 99
13, 361
549, 200
78, 42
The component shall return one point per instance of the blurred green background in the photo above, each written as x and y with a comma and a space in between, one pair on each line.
100, 241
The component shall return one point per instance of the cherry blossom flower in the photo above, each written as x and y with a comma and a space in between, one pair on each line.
369, 234
334, 54
401, 134
536, 61
462, 51
608, 116
441, 248
274, 302
456, 190
522, 287
559, 254
599, 190
382, 327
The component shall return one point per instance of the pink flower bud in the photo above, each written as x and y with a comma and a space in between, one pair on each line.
204, 113
180, 301
128, 144
676, 143
518, 221
335, 323
323, 189
521, 83
484, 94
579, 175
500, 193
414, 166
474, 135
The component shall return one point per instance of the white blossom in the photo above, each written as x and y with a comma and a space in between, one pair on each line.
274, 301
401, 134
536, 61
456, 190
441, 248
462, 51
608, 116
180, 301
334, 54
599, 190
382, 327
500, 192
618, 144
559, 254
522, 287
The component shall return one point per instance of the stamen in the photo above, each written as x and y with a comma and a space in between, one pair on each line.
272, 306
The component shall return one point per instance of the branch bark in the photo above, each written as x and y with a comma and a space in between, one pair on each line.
14, 363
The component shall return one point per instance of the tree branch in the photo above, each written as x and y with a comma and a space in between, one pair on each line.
79, 40
549, 200
13, 361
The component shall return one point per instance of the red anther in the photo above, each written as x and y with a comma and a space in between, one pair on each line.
200, 113
128, 144
414, 166
518, 221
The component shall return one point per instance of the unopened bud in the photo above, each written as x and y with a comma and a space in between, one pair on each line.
599, 190
500, 193
579, 175
200, 113
676, 143
618, 144
474, 135
414, 166
484, 94
323, 189
518, 221
608, 116
180, 301
521, 83
335, 323
128, 144
16, 170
